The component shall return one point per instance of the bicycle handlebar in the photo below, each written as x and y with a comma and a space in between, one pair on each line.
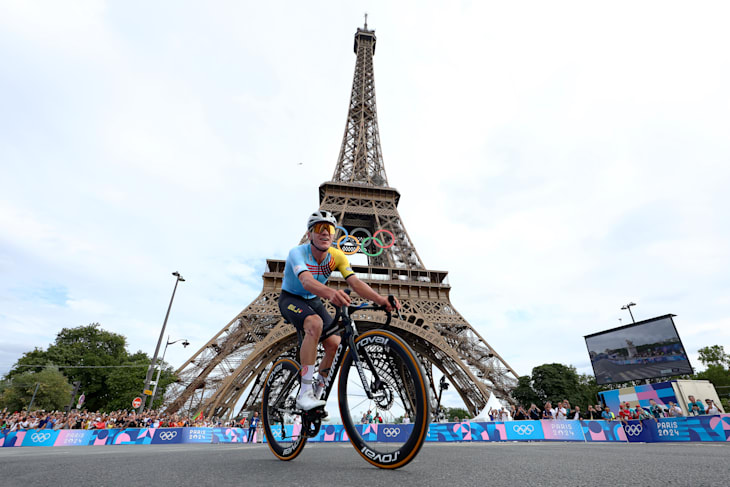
346, 310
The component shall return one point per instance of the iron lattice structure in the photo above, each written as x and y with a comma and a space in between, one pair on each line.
237, 358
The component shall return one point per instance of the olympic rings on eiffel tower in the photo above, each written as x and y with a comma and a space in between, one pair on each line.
360, 245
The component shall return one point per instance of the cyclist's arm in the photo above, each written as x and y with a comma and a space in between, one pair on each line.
364, 290
338, 298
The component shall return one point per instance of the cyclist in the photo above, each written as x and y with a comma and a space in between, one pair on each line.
308, 267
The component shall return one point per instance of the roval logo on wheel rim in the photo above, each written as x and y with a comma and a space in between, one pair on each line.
167, 435
39, 437
360, 245
633, 429
523, 429
391, 432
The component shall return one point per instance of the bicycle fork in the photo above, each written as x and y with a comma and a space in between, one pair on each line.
377, 384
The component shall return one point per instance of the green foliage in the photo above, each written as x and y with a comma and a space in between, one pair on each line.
717, 374
127, 383
106, 389
460, 413
54, 391
555, 382
523, 393
714, 355
717, 371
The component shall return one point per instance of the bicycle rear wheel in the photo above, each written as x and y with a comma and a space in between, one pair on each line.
403, 389
281, 419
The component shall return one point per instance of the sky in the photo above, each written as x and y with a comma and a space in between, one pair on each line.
559, 159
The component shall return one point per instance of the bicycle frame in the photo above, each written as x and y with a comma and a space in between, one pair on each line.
348, 341
390, 373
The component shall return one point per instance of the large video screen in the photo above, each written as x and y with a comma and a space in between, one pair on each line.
643, 350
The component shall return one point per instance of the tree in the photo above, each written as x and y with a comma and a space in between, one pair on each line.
714, 355
110, 378
555, 382
523, 393
460, 413
126, 383
53, 391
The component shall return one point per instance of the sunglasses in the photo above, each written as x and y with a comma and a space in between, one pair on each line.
318, 227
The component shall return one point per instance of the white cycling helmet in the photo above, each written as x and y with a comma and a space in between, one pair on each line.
320, 216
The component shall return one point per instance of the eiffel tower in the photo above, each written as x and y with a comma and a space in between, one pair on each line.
237, 358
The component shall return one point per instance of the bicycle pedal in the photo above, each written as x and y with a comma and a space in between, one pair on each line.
316, 414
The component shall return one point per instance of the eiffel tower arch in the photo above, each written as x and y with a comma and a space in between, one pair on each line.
236, 359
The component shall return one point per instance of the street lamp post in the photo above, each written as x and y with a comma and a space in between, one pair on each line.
443, 385
185, 343
628, 307
150, 370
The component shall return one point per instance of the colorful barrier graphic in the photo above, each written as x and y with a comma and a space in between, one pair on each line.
692, 429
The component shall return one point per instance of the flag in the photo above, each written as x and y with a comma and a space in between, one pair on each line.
198, 416
82, 398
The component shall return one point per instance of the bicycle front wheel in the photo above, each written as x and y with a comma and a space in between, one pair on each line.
282, 421
398, 386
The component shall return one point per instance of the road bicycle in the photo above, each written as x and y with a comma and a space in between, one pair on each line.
378, 370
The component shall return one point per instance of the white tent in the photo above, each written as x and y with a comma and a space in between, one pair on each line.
492, 403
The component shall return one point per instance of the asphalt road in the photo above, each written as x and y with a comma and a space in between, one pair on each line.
438, 464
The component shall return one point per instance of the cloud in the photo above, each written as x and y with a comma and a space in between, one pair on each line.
559, 161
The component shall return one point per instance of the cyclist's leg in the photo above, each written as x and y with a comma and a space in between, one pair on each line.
330, 348
330, 343
312, 327
298, 311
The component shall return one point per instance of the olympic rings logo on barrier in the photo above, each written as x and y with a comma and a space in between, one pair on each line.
167, 435
39, 437
391, 432
360, 245
634, 429
523, 429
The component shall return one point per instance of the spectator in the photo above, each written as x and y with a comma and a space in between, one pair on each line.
534, 412
712, 407
592, 413
607, 414
406, 419
675, 411
493, 414
521, 414
560, 412
624, 413
548, 412
568, 410
642, 414
252, 424
576, 413
692, 402
504, 416
695, 411
655, 409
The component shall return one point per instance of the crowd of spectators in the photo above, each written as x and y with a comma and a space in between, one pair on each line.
562, 410
56, 420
